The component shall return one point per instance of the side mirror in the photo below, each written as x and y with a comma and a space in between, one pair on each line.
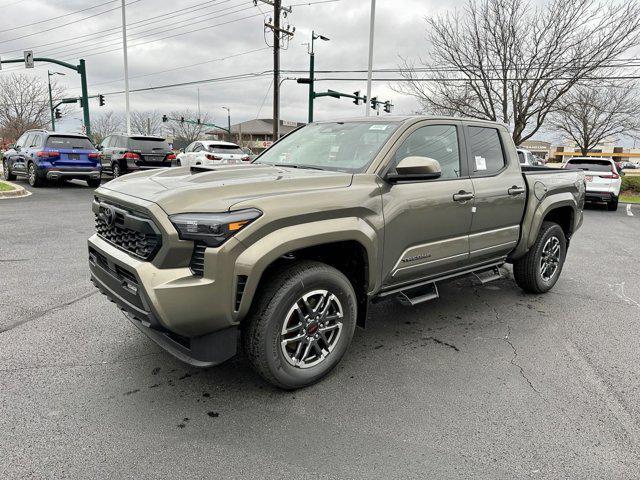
415, 168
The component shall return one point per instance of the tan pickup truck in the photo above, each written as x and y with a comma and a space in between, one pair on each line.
284, 255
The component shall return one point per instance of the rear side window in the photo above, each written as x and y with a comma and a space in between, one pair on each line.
36, 141
590, 165
59, 141
147, 144
439, 142
485, 147
226, 149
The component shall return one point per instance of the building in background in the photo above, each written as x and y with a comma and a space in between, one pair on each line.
539, 148
256, 134
608, 150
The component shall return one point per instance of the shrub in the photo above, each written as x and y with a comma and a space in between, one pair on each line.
631, 184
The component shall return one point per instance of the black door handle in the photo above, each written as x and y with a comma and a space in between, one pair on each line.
515, 190
462, 196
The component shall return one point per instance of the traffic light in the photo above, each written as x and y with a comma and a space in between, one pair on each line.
387, 106
304, 81
181, 119
198, 121
374, 103
164, 119
357, 99
58, 113
101, 100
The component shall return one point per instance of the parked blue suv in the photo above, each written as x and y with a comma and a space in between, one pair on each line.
41, 155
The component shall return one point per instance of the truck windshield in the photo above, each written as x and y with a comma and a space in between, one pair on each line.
342, 146
71, 142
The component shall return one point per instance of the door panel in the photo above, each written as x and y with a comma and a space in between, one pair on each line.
426, 230
500, 193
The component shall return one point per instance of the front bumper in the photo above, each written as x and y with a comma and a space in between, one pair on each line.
180, 312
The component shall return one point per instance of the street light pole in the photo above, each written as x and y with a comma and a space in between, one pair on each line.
53, 117
126, 69
372, 22
228, 122
314, 37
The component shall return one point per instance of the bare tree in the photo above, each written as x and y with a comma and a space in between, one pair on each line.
188, 131
146, 123
105, 124
591, 114
24, 104
509, 61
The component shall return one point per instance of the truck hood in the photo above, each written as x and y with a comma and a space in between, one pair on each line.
218, 188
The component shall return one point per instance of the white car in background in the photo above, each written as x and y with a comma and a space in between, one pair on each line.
602, 179
212, 152
527, 158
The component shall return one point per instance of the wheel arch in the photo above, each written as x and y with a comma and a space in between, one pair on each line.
348, 245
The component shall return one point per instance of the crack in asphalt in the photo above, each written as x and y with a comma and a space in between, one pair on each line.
507, 340
46, 311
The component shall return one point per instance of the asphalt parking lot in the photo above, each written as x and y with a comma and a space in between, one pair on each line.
485, 382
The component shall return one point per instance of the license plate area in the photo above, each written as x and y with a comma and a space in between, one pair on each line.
588, 178
73, 156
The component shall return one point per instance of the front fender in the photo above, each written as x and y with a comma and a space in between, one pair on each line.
256, 258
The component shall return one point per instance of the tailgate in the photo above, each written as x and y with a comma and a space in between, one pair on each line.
71, 158
598, 181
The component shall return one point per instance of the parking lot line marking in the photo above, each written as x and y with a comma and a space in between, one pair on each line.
629, 212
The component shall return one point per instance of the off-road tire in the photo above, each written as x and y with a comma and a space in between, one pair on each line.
261, 332
33, 178
527, 270
6, 172
94, 182
612, 206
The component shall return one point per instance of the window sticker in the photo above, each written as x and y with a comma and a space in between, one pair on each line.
378, 127
481, 163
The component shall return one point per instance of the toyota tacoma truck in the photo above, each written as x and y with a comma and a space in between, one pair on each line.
283, 256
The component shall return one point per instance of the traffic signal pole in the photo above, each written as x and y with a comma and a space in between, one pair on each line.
311, 75
80, 69
53, 120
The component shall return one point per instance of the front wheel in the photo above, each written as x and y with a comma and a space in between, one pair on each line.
301, 325
6, 172
539, 270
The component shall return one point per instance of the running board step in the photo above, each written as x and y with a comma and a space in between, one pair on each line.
486, 276
414, 296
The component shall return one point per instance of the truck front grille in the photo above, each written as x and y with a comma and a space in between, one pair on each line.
127, 230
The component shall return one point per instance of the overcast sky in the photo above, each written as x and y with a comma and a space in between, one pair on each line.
199, 40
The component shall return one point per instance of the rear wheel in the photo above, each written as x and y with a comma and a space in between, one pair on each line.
301, 325
612, 206
6, 171
115, 168
539, 270
32, 175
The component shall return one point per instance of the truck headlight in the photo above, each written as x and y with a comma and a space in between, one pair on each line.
212, 228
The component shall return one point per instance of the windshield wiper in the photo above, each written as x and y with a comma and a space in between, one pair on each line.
294, 165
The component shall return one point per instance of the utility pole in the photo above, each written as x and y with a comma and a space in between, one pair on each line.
199, 102
53, 117
126, 69
278, 35
372, 22
277, 5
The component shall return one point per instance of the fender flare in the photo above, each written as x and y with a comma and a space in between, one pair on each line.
253, 261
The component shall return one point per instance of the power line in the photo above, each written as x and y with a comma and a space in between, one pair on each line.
69, 23
55, 18
117, 28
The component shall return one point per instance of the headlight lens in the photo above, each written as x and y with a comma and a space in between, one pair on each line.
212, 228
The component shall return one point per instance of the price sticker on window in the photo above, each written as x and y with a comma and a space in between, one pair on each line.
481, 163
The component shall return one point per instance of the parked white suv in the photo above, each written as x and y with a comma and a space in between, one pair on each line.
527, 158
211, 152
602, 178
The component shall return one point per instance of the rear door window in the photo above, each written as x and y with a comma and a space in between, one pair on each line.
69, 142
36, 141
485, 148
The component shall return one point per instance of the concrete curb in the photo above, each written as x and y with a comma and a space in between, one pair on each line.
18, 191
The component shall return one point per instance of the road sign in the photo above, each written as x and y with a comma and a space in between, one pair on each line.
28, 58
